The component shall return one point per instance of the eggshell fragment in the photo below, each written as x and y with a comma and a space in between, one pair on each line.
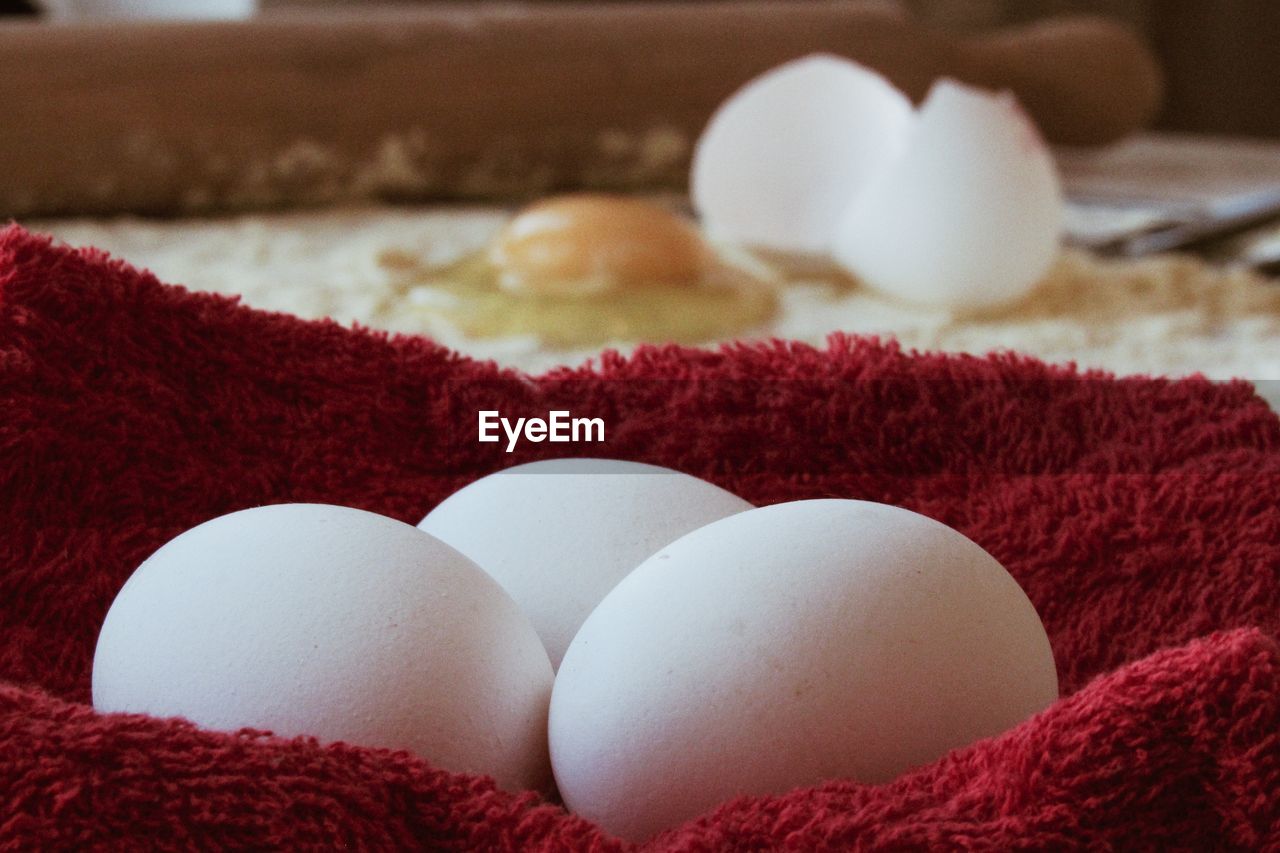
782, 158
969, 216
785, 646
559, 534
318, 620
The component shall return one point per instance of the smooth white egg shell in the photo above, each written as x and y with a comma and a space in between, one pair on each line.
781, 159
307, 619
559, 534
149, 9
785, 646
969, 216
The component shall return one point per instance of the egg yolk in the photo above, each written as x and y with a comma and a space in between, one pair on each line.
592, 243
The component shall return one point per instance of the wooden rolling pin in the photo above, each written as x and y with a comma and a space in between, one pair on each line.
470, 101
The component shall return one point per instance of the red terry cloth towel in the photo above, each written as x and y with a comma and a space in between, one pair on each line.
1140, 515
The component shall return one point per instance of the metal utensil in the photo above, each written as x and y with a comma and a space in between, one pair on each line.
1171, 192
1234, 217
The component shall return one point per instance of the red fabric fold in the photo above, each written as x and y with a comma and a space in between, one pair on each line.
1139, 514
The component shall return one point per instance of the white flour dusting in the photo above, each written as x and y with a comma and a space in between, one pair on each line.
1167, 316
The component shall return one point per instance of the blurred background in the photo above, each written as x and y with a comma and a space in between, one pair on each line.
329, 157
1220, 56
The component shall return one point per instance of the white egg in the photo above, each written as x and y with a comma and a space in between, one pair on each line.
781, 159
785, 646
559, 534
344, 625
110, 10
969, 216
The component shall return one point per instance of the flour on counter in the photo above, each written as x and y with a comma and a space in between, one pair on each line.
1168, 316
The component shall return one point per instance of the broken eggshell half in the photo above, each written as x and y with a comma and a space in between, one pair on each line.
781, 159
956, 204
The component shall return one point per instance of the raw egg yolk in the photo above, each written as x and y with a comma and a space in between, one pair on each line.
585, 244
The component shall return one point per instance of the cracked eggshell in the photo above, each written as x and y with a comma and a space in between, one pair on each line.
340, 624
559, 534
969, 216
785, 646
780, 160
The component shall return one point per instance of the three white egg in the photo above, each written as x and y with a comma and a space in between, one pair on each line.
705, 649
709, 649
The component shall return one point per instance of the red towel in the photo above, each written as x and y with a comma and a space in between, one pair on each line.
1140, 516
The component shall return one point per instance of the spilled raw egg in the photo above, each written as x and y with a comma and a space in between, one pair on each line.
583, 270
817, 170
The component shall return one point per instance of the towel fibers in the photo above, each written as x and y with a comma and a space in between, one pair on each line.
1140, 515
